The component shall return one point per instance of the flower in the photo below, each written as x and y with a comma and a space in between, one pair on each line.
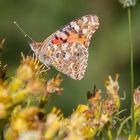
113, 101
2, 43
75, 127
128, 3
53, 85
30, 135
3, 111
3, 70
137, 96
52, 126
137, 104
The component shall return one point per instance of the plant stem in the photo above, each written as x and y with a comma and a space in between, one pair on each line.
101, 136
1, 136
28, 102
109, 134
43, 101
121, 126
131, 71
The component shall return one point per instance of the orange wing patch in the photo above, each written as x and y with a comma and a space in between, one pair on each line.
75, 38
57, 40
72, 38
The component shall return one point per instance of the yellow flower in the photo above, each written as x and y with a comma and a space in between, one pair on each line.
53, 125
3, 111
53, 85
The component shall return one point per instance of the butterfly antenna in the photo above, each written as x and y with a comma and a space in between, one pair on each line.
25, 34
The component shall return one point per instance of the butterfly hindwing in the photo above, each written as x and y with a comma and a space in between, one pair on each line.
70, 60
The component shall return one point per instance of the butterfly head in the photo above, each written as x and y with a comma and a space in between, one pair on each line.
36, 46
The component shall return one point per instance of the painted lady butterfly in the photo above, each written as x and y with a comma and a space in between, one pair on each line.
67, 48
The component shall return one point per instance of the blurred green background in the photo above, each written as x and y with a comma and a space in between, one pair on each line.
108, 52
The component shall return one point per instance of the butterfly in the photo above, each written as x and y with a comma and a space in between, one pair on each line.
67, 49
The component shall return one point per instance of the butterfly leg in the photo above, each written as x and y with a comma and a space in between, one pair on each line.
48, 68
35, 56
44, 69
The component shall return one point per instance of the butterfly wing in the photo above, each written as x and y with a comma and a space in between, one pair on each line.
67, 48
79, 31
71, 60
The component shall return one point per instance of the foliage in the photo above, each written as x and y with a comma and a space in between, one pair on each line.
23, 97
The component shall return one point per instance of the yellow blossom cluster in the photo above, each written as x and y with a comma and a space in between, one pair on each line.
23, 115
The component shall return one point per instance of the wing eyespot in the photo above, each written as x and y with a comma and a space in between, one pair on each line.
77, 55
60, 55
63, 54
57, 55
75, 67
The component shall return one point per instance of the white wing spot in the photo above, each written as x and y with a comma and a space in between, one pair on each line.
75, 26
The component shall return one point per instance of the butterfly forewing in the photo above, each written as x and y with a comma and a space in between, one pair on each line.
67, 48
79, 30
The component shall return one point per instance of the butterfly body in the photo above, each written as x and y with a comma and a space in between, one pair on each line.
67, 48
